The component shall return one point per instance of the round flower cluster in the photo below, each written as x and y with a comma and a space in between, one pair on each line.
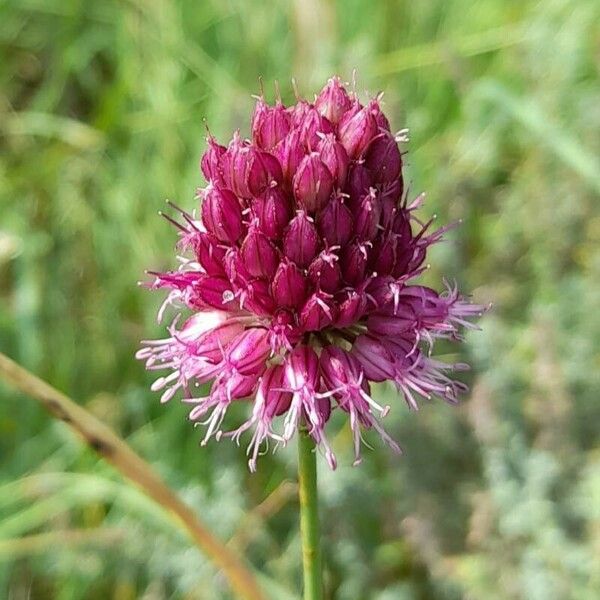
297, 275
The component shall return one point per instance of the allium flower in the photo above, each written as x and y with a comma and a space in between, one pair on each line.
298, 279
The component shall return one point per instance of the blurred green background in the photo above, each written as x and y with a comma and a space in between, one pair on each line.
101, 110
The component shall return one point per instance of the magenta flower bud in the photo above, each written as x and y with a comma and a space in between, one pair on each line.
333, 101
317, 312
273, 211
289, 285
236, 166
259, 255
298, 112
312, 183
366, 216
356, 131
359, 180
211, 345
352, 306
290, 152
383, 255
325, 272
209, 253
236, 269
270, 124
257, 298
301, 241
211, 162
401, 225
389, 208
375, 359
264, 172
382, 121
313, 127
247, 170
383, 158
335, 223
211, 291
222, 214
354, 262
393, 191
334, 157
249, 350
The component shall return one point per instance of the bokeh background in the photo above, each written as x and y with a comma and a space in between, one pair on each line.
101, 111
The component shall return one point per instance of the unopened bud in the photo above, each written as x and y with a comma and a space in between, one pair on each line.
356, 131
325, 273
211, 164
383, 158
358, 181
301, 240
312, 128
289, 285
211, 291
273, 211
352, 306
333, 101
259, 255
312, 183
264, 172
209, 253
257, 298
335, 158
317, 312
367, 212
335, 223
270, 124
354, 262
222, 214
290, 151
383, 256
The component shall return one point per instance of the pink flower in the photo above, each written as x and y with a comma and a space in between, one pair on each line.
298, 278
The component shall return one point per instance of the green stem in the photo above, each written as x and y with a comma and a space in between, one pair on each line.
309, 517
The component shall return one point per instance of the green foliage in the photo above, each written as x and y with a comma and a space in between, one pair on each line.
101, 119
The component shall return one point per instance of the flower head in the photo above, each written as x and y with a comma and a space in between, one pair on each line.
298, 274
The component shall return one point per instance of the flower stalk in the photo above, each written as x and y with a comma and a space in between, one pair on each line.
310, 530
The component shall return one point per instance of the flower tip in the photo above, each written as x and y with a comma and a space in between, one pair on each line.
396, 449
331, 460
158, 384
357, 461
